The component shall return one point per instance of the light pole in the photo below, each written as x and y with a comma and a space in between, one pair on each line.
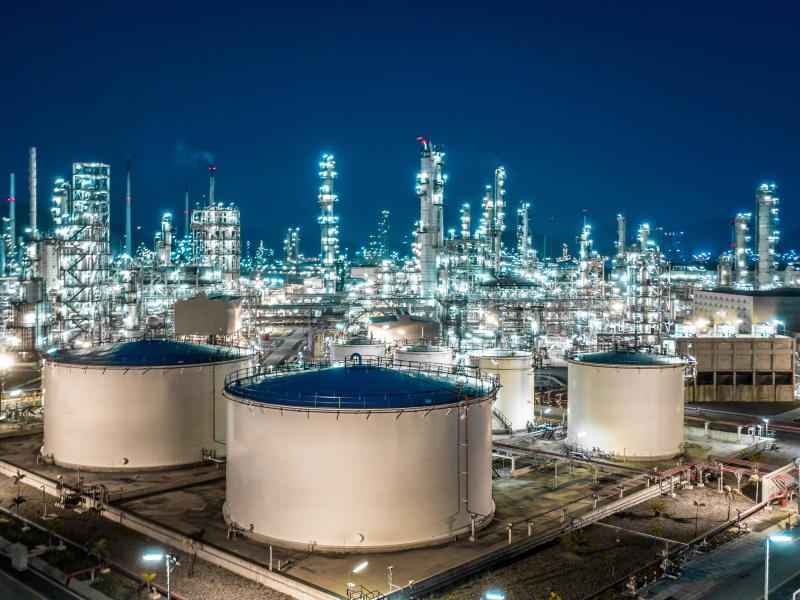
782, 537
170, 561
766, 427
355, 571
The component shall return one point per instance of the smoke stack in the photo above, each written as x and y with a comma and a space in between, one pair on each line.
128, 236
32, 187
186, 211
12, 220
211, 170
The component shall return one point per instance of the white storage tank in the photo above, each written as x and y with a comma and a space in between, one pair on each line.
627, 403
136, 405
424, 354
365, 347
359, 457
515, 373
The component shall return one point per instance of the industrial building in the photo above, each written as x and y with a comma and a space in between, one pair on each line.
740, 368
746, 308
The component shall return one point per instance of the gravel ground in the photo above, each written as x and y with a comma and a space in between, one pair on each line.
200, 580
572, 573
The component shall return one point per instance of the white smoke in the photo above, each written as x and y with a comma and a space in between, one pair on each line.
189, 157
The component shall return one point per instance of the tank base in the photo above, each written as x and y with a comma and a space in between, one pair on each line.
480, 523
124, 468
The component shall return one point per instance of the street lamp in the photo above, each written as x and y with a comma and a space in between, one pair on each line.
355, 571
170, 561
766, 427
781, 537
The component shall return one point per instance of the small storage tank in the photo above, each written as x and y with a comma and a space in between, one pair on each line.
627, 403
136, 405
364, 347
359, 457
420, 353
514, 371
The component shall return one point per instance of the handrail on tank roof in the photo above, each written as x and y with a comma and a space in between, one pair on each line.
480, 384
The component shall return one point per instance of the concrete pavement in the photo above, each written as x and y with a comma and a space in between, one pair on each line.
736, 571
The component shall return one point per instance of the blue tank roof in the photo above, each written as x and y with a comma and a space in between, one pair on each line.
357, 386
145, 353
634, 359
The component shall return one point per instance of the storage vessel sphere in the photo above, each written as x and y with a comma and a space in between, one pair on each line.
136, 405
358, 457
627, 403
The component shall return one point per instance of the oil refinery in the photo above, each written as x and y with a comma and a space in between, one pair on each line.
424, 417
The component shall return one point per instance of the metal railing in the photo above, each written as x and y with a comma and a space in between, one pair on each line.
253, 384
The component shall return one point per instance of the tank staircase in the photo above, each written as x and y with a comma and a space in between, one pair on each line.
503, 420
785, 487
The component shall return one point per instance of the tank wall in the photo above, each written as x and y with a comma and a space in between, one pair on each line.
628, 411
357, 482
221, 371
516, 377
444, 357
341, 351
137, 419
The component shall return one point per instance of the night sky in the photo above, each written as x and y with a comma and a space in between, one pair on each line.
671, 112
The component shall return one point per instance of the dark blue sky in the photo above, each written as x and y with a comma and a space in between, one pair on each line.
672, 112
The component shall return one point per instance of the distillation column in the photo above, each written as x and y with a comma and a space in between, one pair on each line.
466, 222
499, 215
584, 251
741, 239
128, 236
165, 241
644, 237
621, 227
32, 188
430, 236
329, 230
12, 223
766, 233
523, 237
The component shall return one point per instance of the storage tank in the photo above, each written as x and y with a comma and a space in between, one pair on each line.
420, 353
136, 405
514, 371
627, 403
364, 347
358, 457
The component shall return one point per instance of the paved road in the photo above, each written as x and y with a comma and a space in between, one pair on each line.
736, 572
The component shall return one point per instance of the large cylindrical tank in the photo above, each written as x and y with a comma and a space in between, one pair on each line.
515, 373
364, 347
627, 403
136, 405
420, 353
358, 458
